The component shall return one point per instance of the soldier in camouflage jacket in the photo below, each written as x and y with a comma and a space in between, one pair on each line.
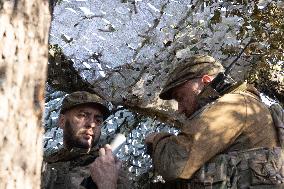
231, 142
80, 164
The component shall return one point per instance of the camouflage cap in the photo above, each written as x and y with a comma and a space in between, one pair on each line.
190, 68
82, 97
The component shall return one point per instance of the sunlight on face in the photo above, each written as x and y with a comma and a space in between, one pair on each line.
82, 126
186, 96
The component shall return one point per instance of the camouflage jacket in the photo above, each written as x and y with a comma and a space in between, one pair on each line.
69, 169
230, 143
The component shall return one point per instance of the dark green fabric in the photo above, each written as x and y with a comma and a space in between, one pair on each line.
69, 169
82, 97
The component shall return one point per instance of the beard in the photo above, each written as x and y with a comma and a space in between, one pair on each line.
72, 137
191, 104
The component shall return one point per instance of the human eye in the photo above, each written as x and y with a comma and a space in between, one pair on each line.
99, 119
83, 115
178, 98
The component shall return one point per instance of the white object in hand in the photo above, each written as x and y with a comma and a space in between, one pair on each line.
117, 142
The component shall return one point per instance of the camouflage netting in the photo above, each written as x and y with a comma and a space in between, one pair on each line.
123, 49
135, 126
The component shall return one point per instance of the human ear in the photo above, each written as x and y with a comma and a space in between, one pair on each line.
206, 79
61, 121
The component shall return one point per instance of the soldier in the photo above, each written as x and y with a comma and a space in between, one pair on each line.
227, 142
75, 165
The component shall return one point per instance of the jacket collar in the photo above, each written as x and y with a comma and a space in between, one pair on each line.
64, 154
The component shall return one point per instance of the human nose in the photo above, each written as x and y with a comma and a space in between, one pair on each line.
92, 122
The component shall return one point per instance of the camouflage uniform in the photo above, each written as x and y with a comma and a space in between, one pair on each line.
228, 143
69, 169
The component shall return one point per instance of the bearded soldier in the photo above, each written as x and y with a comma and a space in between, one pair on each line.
80, 164
228, 140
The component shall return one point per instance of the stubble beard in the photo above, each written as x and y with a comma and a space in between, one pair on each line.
193, 104
72, 137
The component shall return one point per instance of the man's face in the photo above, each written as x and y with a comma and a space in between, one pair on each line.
81, 126
186, 96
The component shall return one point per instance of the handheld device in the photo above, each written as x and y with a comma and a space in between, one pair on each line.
117, 142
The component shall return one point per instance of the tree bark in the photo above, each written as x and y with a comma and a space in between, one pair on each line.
23, 60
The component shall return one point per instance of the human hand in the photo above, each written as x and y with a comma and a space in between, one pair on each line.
104, 170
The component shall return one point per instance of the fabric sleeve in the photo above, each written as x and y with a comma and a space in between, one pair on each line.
202, 137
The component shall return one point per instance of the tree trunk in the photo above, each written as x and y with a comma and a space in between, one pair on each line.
23, 60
